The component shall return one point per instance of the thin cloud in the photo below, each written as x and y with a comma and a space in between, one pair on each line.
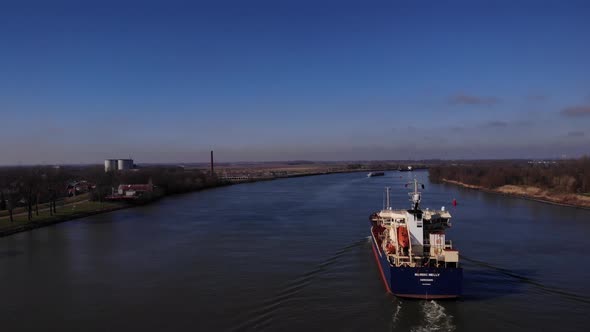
495, 124
576, 111
538, 97
464, 99
576, 134
457, 128
524, 123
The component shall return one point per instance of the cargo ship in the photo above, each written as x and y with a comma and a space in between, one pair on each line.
414, 257
372, 174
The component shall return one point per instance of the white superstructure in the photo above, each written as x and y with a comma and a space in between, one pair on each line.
414, 237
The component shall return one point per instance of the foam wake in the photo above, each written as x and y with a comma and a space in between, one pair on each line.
259, 318
530, 281
396, 313
434, 318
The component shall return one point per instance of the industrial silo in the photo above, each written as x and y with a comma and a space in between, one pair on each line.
124, 164
110, 165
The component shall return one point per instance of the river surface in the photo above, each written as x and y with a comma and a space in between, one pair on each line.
294, 255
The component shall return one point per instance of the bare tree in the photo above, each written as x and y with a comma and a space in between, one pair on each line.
11, 202
37, 203
2, 201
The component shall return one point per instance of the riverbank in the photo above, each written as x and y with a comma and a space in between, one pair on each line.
76, 210
64, 213
532, 193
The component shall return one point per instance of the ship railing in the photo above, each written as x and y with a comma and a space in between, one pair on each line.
448, 244
400, 257
402, 260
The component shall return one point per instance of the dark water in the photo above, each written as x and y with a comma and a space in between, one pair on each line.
293, 255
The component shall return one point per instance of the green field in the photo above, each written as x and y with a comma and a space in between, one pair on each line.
63, 213
67, 200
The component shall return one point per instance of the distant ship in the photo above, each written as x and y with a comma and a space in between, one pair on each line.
372, 174
415, 259
408, 169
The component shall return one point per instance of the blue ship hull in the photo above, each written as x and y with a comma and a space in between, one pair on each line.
419, 282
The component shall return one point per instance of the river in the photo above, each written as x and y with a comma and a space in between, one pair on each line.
294, 255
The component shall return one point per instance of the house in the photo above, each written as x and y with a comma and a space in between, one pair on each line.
79, 187
135, 190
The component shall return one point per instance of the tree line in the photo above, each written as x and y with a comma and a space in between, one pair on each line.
170, 180
29, 187
566, 176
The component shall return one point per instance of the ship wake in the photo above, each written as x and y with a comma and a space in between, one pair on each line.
396, 313
435, 318
530, 281
261, 317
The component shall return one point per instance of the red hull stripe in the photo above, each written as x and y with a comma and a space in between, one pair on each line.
381, 269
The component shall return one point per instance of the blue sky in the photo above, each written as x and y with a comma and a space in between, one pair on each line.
166, 81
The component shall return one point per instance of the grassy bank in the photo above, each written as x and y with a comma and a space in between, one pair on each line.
80, 207
43, 206
533, 193
64, 213
73, 209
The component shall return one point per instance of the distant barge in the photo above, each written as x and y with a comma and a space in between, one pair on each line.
372, 174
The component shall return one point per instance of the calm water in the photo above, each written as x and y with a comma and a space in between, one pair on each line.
293, 255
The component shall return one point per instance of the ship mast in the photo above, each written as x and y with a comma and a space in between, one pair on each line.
415, 196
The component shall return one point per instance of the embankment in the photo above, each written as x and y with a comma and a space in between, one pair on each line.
68, 213
72, 209
533, 193
89, 208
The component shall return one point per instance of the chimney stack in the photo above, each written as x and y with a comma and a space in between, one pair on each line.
212, 163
